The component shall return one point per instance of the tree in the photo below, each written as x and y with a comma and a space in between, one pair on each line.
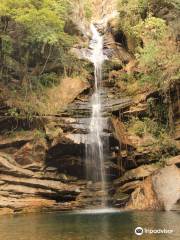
31, 31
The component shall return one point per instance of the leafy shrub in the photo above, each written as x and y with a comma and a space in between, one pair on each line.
88, 9
147, 56
151, 28
137, 127
140, 127
6, 45
44, 80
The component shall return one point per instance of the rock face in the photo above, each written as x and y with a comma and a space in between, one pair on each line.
138, 173
44, 169
21, 188
144, 197
159, 188
68, 90
166, 184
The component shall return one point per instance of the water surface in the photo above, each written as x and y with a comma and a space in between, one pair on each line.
88, 226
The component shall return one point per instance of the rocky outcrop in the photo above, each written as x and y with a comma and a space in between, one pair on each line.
44, 169
138, 173
144, 197
67, 91
21, 188
135, 184
152, 186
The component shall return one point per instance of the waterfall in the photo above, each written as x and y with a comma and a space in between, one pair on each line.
94, 146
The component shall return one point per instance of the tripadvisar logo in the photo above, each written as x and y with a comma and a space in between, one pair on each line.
139, 231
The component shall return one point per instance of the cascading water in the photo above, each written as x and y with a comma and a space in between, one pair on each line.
94, 147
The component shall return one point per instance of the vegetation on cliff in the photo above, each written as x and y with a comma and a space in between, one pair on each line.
35, 42
154, 46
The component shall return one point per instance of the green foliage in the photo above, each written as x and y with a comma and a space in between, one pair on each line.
152, 31
44, 80
88, 9
6, 43
131, 12
147, 56
175, 3
151, 28
157, 55
158, 109
17, 114
136, 126
38, 135
44, 20
32, 39
133, 8
167, 146
161, 141
13, 112
144, 126
34, 50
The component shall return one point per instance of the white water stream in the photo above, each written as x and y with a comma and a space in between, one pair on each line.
94, 150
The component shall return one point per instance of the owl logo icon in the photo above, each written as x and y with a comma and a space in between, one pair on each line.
139, 231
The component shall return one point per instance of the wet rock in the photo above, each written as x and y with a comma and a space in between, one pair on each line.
37, 184
120, 199
121, 134
117, 41
16, 138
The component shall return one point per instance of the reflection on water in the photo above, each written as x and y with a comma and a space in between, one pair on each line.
86, 226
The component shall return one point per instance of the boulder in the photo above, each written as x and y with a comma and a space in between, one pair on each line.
166, 184
158, 191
